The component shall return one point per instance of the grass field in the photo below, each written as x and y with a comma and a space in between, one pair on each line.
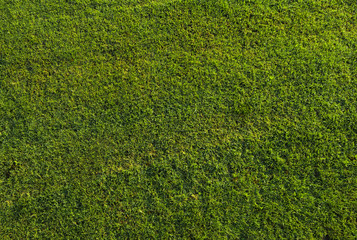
186, 119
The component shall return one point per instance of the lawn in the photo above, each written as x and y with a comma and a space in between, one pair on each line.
178, 119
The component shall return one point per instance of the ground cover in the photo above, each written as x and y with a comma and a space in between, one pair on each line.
178, 119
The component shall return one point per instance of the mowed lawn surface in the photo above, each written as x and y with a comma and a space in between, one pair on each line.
186, 119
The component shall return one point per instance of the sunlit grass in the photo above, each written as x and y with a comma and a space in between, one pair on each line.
178, 119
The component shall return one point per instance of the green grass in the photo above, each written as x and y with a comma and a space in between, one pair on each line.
186, 119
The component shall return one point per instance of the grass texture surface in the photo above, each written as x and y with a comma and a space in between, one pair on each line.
186, 119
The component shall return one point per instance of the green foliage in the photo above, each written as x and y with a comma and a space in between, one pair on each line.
183, 119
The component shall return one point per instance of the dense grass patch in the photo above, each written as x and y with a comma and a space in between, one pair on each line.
187, 119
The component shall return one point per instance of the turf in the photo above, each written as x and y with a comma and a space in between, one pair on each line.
186, 119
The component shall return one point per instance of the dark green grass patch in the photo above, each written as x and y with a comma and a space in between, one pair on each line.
178, 119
